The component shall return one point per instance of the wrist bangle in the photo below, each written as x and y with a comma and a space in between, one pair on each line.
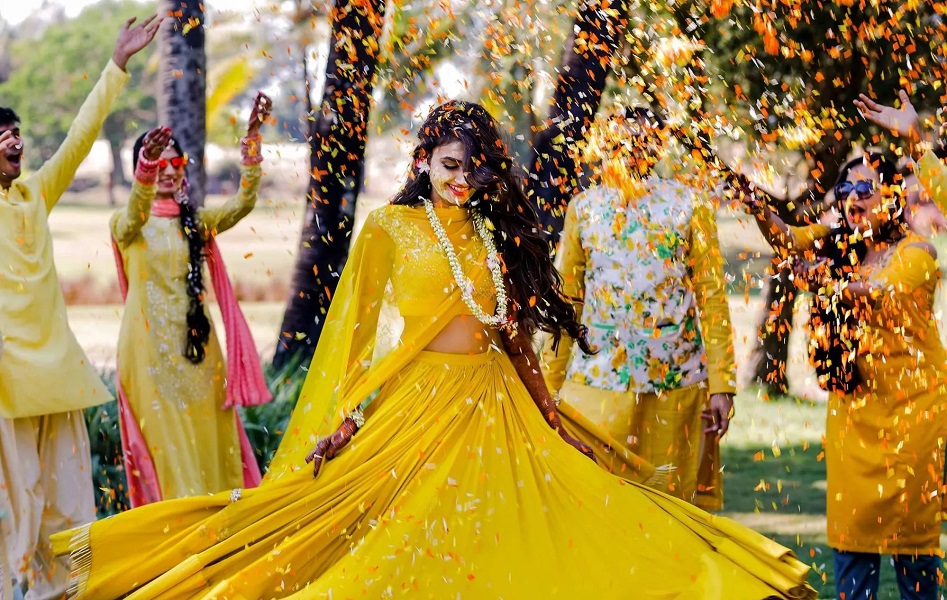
358, 417
147, 170
250, 150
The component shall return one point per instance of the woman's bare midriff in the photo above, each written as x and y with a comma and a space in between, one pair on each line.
464, 335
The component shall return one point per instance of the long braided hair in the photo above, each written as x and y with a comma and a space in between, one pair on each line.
198, 326
535, 285
833, 353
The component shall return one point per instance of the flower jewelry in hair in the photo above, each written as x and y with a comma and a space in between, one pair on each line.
423, 166
499, 319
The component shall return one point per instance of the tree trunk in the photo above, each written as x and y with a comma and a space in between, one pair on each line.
553, 172
338, 134
182, 81
771, 356
117, 174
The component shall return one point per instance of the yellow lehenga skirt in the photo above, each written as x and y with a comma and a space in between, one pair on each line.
454, 488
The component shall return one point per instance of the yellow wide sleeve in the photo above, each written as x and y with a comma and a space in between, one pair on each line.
932, 174
572, 269
221, 218
56, 174
706, 264
127, 223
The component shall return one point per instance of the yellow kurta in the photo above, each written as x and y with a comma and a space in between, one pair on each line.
884, 447
177, 403
662, 428
454, 487
43, 370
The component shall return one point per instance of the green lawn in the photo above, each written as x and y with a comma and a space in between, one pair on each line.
774, 481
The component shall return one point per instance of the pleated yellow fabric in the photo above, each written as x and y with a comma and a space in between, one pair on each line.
454, 487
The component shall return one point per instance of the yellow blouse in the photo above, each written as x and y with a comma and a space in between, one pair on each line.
43, 370
396, 258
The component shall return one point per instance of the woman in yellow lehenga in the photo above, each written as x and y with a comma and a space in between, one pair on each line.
879, 354
454, 485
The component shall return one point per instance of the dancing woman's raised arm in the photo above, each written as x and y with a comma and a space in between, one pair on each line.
127, 223
221, 218
782, 237
904, 122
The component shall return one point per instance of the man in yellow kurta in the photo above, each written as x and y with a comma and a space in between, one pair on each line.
639, 254
45, 378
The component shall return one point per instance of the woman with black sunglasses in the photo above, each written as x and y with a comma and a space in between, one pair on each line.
180, 436
876, 349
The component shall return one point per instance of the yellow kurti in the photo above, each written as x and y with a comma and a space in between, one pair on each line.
177, 403
884, 447
663, 428
454, 487
43, 370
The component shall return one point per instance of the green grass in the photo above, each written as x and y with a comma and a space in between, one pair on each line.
774, 481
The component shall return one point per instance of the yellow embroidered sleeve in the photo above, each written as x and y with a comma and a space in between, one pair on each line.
932, 174
127, 223
572, 267
710, 288
223, 217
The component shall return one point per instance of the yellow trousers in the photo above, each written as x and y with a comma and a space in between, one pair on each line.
45, 487
664, 429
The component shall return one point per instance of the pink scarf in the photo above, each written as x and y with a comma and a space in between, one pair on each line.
245, 383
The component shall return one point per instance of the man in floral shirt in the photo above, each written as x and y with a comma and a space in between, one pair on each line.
640, 257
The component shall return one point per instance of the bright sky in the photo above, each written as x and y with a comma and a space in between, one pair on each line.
14, 11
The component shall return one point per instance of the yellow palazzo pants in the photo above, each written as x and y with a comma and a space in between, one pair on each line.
454, 487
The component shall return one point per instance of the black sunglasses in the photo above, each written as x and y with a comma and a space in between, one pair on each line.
863, 189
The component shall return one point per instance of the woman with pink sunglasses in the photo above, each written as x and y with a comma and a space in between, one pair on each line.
180, 433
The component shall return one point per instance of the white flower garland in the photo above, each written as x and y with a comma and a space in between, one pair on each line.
463, 282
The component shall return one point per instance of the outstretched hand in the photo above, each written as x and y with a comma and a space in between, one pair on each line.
329, 446
262, 105
902, 121
743, 190
132, 38
155, 142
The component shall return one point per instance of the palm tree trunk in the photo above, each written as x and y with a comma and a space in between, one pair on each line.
182, 93
553, 172
338, 133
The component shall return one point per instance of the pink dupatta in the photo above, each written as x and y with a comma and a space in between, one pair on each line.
245, 383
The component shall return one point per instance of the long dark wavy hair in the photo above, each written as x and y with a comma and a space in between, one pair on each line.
834, 356
535, 285
198, 326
